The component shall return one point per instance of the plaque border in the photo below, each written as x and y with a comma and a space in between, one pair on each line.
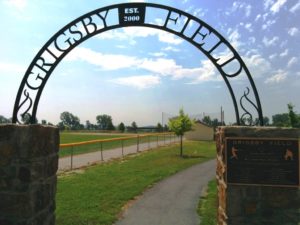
260, 138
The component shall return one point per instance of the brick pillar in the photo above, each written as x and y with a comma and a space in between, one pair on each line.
252, 204
28, 165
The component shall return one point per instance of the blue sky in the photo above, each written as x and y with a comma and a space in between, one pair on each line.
138, 73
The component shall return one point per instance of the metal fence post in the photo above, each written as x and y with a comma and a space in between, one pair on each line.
72, 158
101, 149
122, 143
149, 142
157, 141
164, 139
137, 143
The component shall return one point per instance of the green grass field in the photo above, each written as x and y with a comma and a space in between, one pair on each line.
208, 205
79, 137
66, 137
96, 196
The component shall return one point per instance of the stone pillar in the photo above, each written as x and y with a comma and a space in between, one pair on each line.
251, 204
28, 165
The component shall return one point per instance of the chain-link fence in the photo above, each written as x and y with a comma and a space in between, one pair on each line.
80, 154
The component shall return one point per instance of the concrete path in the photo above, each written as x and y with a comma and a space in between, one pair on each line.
96, 157
172, 201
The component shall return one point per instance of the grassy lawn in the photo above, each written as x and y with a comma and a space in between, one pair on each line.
73, 138
207, 208
96, 196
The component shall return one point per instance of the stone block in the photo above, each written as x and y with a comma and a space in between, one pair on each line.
250, 204
28, 165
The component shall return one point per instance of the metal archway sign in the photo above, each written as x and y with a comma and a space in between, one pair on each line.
162, 17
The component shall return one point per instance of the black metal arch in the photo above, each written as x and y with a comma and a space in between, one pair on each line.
174, 21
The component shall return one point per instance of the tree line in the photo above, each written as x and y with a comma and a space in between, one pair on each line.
105, 122
69, 121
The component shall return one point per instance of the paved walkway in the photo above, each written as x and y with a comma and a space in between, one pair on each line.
96, 157
172, 201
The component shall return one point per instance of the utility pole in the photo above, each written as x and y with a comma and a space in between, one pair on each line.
162, 121
222, 116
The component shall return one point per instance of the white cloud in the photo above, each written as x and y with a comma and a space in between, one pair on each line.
276, 7
121, 46
268, 24
257, 17
268, 3
169, 38
129, 33
248, 10
158, 54
252, 51
273, 56
139, 82
172, 49
270, 42
284, 53
18, 4
235, 6
257, 64
240, 6
158, 66
292, 61
248, 26
234, 38
279, 76
206, 72
293, 31
295, 7
7, 67
168, 67
283, 43
199, 12
105, 61
265, 16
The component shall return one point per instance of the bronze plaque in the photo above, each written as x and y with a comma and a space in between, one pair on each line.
258, 161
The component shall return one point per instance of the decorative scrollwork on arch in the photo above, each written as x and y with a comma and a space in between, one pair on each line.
174, 21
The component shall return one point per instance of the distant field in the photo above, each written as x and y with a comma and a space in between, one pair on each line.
66, 138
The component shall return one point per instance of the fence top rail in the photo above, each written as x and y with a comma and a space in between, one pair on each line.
111, 139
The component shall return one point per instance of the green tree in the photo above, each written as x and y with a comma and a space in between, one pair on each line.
61, 126
294, 118
159, 127
134, 126
179, 125
166, 128
88, 125
215, 122
207, 120
44, 122
105, 122
121, 127
4, 120
70, 120
281, 120
266, 121
26, 119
